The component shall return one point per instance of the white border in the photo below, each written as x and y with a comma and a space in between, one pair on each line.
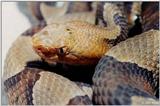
49, 0
79, 0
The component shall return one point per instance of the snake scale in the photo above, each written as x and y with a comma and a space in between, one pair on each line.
125, 70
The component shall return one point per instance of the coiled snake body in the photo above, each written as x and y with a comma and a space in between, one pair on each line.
116, 72
82, 43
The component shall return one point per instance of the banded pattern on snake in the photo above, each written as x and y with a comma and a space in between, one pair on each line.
134, 74
69, 39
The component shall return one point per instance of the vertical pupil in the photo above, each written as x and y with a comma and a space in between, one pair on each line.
61, 51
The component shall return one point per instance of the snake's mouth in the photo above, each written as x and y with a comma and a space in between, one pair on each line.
46, 53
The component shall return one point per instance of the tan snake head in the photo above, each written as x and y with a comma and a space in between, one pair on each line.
50, 44
74, 42
78, 42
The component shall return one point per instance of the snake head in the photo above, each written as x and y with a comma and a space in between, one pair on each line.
74, 42
49, 43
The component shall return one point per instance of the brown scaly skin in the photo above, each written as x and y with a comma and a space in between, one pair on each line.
109, 15
62, 42
129, 71
133, 11
22, 47
80, 100
86, 88
18, 65
150, 16
145, 87
31, 87
119, 83
143, 50
58, 42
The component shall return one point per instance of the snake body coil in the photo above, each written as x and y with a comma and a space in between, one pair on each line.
30, 86
120, 77
150, 16
110, 15
127, 72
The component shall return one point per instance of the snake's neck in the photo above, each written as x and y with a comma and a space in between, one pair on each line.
114, 79
111, 16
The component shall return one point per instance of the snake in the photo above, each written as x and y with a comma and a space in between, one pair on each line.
40, 11
79, 42
129, 70
150, 16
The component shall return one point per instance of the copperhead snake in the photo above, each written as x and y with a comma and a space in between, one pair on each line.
77, 41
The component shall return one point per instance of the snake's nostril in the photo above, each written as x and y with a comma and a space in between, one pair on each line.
39, 49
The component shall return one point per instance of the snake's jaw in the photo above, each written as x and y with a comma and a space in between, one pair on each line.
43, 47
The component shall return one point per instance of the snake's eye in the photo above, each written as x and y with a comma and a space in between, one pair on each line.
61, 51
